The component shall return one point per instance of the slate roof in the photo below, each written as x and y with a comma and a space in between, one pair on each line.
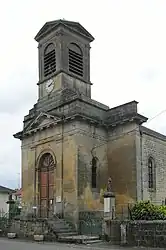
5, 190
73, 26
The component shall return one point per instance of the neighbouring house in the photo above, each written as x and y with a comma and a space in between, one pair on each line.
17, 195
4, 197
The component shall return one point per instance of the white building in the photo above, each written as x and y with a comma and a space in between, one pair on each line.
4, 197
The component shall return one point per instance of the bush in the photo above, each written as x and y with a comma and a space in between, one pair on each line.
145, 210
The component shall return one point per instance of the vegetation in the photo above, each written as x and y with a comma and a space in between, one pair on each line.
14, 210
145, 210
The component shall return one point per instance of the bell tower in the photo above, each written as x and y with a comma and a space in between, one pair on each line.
64, 58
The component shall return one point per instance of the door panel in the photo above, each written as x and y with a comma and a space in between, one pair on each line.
43, 208
46, 187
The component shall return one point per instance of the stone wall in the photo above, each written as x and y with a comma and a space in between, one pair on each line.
147, 233
91, 142
27, 228
122, 165
151, 144
137, 233
50, 141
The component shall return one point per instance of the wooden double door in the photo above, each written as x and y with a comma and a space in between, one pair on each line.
46, 185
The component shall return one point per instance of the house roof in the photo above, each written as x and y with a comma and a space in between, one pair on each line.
6, 190
18, 192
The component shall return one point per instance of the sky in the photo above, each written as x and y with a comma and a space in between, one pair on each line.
128, 61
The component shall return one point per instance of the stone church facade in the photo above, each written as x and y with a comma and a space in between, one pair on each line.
72, 144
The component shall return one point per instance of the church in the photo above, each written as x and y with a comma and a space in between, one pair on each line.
71, 144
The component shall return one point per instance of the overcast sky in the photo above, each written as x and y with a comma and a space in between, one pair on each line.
128, 61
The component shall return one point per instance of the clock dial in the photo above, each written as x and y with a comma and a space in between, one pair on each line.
49, 85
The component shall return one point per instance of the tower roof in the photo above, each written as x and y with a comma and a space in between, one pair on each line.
72, 26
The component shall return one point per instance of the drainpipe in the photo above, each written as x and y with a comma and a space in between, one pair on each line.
35, 170
62, 165
141, 156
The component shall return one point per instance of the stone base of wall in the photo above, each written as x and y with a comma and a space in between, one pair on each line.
147, 233
112, 231
28, 228
136, 233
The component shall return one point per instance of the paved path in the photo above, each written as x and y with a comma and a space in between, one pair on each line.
6, 244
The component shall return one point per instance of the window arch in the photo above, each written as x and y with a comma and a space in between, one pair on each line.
49, 59
94, 172
75, 59
151, 173
46, 162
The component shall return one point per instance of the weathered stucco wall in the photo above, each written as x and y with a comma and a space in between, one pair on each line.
91, 142
51, 141
122, 165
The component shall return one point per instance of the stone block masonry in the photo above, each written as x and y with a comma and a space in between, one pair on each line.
137, 233
147, 233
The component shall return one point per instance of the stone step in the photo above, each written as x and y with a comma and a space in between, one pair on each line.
59, 226
92, 241
71, 233
61, 230
79, 239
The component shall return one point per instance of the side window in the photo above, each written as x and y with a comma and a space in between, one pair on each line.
94, 172
151, 173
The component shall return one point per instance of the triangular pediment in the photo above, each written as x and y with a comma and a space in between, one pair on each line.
49, 26
79, 28
46, 27
42, 120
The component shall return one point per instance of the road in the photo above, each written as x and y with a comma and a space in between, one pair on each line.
6, 244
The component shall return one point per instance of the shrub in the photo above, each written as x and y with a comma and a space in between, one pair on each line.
145, 210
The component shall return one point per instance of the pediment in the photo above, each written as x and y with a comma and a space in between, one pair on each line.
42, 120
79, 28
48, 26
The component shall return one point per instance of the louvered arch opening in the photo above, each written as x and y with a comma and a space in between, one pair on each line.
49, 60
75, 59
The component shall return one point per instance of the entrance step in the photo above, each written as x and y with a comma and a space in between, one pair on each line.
92, 241
61, 227
68, 233
79, 239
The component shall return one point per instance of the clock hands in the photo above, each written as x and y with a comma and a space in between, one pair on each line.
49, 84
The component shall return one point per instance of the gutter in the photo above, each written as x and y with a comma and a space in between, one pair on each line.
141, 158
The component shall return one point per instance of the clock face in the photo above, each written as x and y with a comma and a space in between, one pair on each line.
49, 85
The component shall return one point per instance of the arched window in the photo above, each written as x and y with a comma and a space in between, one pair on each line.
151, 173
94, 172
49, 60
46, 162
75, 59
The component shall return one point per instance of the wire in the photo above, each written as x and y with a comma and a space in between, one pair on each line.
130, 131
156, 115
